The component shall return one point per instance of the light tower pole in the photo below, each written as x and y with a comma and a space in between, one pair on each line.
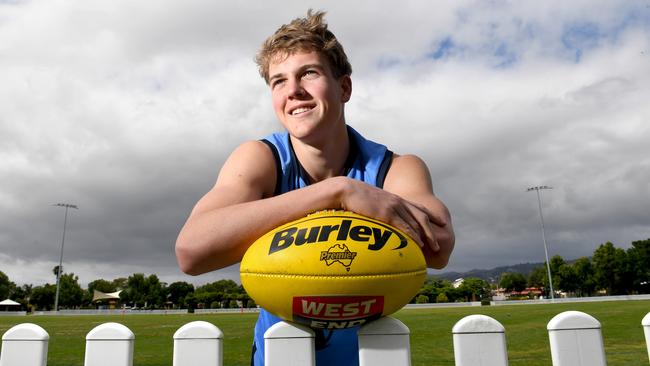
58, 273
541, 218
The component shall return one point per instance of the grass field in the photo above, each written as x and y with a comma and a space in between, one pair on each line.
431, 340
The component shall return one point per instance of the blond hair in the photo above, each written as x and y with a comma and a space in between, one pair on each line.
304, 35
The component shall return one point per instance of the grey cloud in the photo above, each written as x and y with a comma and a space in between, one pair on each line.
129, 110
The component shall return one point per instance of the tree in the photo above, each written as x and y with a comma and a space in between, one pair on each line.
120, 283
442, 298
434, 287
566, 278
513, 281
538, 277
177, 291
155, 292
225, 286
102, 286
190, 302
604, 266
431, 288
639, 257
206, 297
22, 295
43, 296
612, 269
474, 289
585, 281
6, 287
626, 272
55, 270
135, 291
421, 299
222, 291
555, 263
70, 293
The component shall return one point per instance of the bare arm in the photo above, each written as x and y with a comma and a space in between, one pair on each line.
407, 201
239, 209
409, 178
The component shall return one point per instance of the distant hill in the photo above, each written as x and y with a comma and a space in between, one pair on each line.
489, 275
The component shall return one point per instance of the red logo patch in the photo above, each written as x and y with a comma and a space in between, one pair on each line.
335, 312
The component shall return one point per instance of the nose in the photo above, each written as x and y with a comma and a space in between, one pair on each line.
295, 89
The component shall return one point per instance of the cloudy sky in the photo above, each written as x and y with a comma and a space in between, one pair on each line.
129, 108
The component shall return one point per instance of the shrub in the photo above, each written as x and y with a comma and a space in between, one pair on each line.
421, 299
442, 298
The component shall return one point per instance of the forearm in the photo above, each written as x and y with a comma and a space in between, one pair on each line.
216, 238
437, 248
410, 179
446, 240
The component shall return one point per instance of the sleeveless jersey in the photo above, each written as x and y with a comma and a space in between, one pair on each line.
367, 161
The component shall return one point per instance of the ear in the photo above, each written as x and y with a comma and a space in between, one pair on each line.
346, 88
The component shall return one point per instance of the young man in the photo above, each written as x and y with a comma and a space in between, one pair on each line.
318, 163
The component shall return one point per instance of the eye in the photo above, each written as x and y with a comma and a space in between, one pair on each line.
277, 82
310, 74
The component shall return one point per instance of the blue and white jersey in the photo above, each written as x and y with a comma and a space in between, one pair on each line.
367, 161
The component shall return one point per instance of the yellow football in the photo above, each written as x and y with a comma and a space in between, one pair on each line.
333, 269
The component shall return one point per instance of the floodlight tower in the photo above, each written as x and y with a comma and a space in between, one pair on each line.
541, 218
58, 273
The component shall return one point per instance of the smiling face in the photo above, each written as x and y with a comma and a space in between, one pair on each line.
307, 99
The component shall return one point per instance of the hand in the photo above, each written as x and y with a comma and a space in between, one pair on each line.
414, 219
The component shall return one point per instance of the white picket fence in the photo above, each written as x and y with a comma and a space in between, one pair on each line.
575, 340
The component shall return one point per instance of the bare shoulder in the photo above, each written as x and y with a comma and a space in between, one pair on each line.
251, 162
408, 172
248, 174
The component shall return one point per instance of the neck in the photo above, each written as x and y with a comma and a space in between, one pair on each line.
326, 158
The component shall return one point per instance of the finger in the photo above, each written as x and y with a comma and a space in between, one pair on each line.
437, 218
427, 229
428, 233
418, 233
424, 225
401, 220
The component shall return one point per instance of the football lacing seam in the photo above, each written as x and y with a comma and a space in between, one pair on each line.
343, 276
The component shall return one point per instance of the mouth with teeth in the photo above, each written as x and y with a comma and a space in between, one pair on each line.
300, 110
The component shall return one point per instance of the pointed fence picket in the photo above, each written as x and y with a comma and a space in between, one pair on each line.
575, 339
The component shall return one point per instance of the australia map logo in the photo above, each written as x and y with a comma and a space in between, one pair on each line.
338, 253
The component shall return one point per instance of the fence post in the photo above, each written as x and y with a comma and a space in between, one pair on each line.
479, 341
198, 343
109, 344
576, 340
24, 345
289, 345
384, 342
646, 330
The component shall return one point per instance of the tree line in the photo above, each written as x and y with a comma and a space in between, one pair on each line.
138, 291
609, 271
